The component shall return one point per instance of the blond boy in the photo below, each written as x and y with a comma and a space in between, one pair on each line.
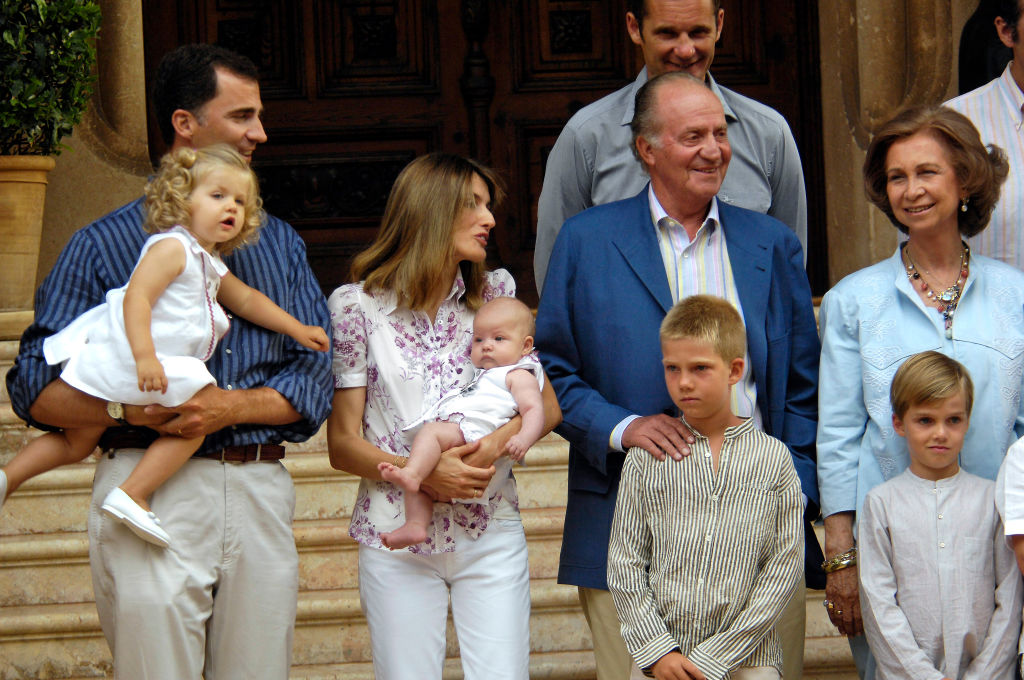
939, 590
706, 551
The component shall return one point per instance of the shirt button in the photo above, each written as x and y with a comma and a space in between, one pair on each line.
942, 544
707, 537
227, 351
940, 515
230, 387
714, 498
935, 490
707, 455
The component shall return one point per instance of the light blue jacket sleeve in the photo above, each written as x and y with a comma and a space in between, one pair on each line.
842, 415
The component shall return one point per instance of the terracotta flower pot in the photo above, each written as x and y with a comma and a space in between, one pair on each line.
22, 194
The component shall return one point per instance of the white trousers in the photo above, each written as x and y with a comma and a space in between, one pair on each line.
405, 600
220, 602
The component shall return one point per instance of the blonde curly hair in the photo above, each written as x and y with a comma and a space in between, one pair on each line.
168, 193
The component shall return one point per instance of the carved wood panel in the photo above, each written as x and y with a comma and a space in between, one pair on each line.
354, 89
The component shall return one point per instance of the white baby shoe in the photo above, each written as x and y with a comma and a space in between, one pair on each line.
143, 523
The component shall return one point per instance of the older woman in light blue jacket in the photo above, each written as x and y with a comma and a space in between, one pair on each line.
928, 170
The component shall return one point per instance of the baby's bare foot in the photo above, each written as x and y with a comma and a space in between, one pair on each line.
399, 477
404, 536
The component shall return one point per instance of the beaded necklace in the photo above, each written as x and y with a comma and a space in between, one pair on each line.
947, 300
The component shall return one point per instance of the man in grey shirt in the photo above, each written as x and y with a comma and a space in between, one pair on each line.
592, 162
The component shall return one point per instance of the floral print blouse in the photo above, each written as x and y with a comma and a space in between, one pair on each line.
407, 364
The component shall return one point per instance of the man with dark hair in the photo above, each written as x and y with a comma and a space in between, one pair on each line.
997, 110
187, 78
616, 269
222, 603
591, 163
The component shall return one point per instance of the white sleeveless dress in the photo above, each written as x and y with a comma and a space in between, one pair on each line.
187, 323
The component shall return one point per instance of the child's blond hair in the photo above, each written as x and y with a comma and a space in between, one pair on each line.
168, 193
710, 320
929, 377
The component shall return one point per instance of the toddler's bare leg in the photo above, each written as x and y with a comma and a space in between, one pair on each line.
430, 441
163, 458
418, 509
129, 503
50, 451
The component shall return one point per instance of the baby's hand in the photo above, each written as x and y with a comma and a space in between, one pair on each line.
313, 337
151, 375
517, 447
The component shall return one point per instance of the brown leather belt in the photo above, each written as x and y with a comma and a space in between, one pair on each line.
250, 453
141, 438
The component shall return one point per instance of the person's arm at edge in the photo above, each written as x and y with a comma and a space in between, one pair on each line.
770, 591
886, 626
998, 653
629, 554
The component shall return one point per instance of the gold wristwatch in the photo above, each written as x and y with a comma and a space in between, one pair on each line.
115, 410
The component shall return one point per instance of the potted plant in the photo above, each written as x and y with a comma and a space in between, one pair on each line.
47, 51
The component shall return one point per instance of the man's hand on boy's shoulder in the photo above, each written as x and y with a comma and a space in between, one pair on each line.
675, 666
659, 435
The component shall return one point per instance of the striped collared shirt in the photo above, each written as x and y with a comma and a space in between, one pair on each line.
703, 561
702, 267
102, 255
997, 110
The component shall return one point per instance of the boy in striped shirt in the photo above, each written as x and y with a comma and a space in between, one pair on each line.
705, 551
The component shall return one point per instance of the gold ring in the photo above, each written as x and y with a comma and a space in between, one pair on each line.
827, 604
839, 612
479, 493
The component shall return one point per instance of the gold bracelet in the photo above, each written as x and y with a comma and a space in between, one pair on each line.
399, 461
841, 561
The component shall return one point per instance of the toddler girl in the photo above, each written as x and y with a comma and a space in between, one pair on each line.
147, 343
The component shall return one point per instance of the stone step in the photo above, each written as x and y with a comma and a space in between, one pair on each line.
54, 568
58, 501
64, 640
575, 665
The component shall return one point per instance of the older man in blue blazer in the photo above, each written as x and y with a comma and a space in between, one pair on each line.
616, 269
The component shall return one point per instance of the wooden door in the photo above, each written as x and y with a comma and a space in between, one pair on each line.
354, 89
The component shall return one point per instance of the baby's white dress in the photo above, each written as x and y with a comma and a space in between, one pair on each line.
480, 408
187, 323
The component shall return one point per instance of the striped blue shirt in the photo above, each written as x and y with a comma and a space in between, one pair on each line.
102, 255
997, 110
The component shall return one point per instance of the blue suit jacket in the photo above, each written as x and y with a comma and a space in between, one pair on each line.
604, 297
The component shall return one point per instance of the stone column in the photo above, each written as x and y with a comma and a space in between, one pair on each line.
876, 57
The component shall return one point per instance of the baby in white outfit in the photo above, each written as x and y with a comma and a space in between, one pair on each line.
508, 380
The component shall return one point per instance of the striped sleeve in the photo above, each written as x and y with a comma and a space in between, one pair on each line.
79, 280
629, 556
